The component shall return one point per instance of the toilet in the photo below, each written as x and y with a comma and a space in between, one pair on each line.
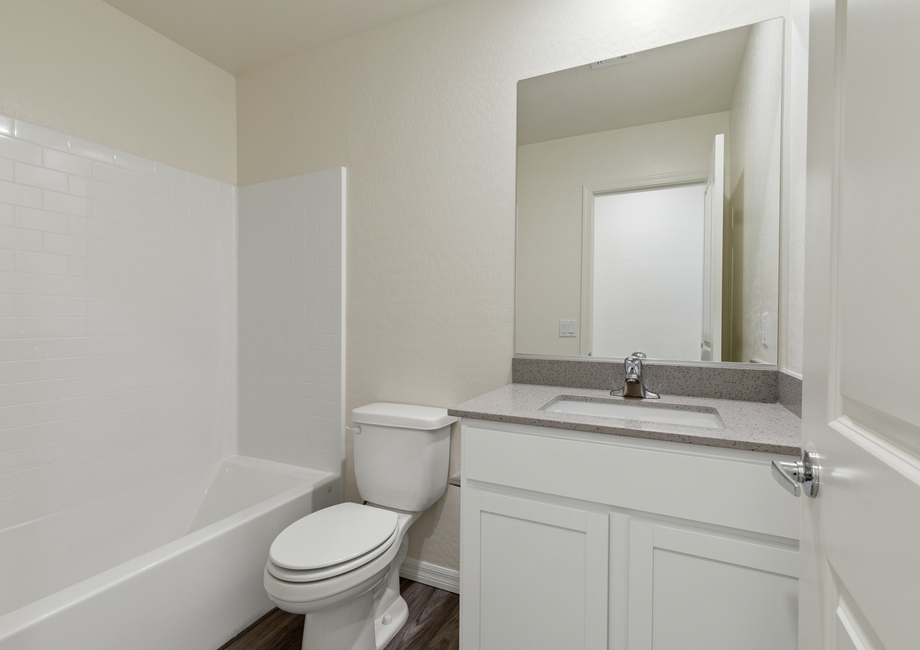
340, 566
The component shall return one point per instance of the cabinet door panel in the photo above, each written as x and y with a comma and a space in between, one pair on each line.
541, 576
698, 590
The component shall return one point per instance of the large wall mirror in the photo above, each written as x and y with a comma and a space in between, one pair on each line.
648, 203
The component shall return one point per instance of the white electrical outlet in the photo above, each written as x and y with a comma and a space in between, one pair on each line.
765, 329
567, 329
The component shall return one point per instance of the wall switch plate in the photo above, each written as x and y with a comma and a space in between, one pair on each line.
567, 329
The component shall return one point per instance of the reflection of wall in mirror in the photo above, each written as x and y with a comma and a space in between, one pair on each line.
551, 176
753, 189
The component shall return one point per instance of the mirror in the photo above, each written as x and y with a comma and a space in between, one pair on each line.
648, 202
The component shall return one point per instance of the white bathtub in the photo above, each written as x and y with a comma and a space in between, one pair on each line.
173, 563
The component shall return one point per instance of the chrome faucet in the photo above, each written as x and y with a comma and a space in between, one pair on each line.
635, 384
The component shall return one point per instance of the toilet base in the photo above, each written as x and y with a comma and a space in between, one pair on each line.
396, 616
350, 626
364, 622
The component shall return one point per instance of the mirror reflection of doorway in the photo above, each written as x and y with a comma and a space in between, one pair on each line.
648, 271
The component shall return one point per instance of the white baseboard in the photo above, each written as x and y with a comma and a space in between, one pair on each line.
431, 575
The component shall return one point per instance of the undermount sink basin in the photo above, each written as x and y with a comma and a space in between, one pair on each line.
696, 416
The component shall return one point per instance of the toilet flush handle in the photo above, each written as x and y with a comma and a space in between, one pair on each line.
354, 429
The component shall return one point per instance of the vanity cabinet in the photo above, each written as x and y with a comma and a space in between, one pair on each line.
576, 540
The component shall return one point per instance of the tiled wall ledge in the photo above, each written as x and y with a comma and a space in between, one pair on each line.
748, 383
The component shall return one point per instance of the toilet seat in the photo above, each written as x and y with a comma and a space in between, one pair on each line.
304, 597
311, 575
331, 542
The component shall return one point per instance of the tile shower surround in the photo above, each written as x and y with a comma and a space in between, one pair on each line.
290, 319
117, 320
119, 312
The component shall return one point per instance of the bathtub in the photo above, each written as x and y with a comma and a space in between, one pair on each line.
173, 563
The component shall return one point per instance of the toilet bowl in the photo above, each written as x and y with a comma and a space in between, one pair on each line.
339, 567
349, 603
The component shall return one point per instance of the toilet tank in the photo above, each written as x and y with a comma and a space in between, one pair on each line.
401, 454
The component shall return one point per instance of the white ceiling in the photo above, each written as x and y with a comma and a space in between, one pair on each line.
694, 77
240, 35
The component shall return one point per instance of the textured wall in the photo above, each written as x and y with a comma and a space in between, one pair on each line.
422, 112
550, 178
117, 320
85, 68
754, 193
290, 265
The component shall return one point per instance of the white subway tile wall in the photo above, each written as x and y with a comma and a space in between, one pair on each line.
118, 320
290, 261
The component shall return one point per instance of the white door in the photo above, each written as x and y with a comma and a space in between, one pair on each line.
860, 573
711, 339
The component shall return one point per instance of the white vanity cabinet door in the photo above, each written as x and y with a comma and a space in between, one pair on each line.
534, 574
700, 590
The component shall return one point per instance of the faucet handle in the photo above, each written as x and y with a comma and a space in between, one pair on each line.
635, 383
633, 366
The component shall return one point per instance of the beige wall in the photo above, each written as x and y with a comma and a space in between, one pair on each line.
753, 192
550, 178
84, 68
422, 113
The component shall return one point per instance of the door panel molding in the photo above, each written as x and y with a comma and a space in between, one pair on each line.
894, 456
904, 435
849, 627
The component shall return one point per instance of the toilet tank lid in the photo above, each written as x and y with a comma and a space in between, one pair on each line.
406, 416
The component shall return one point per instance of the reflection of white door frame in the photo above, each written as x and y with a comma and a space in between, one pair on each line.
712, 253
656, 181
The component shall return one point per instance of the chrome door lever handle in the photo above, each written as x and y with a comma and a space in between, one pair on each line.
784, 475
796, 476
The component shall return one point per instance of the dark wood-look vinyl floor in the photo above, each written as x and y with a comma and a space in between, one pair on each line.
434, 624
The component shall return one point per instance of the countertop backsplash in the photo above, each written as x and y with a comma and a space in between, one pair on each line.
747, 383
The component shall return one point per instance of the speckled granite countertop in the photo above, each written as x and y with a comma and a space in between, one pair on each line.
754, 426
